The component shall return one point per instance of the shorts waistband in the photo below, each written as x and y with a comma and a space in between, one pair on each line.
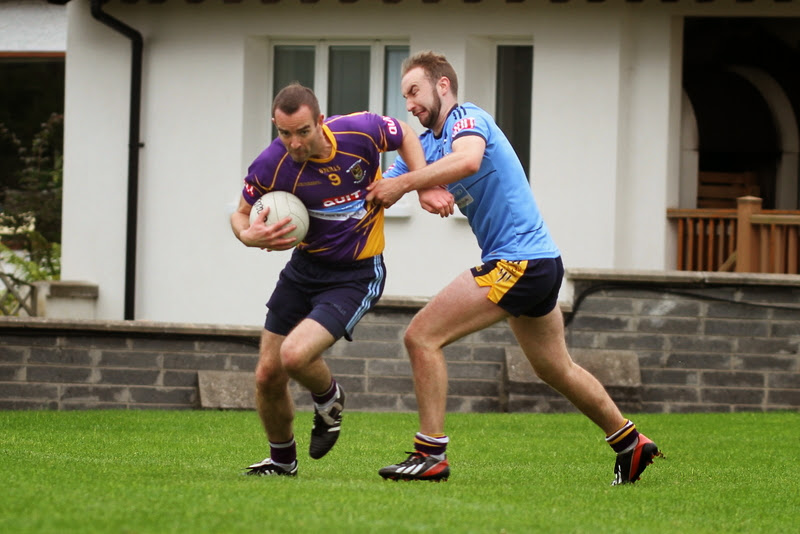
336, 265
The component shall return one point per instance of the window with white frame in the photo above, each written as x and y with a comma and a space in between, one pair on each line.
514, 86
346, 76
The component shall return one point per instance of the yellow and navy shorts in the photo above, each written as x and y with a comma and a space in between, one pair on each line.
522, 287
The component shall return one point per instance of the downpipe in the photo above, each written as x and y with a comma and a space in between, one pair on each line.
134, 144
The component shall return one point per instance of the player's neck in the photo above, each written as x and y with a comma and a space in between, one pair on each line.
437, 128
325, 150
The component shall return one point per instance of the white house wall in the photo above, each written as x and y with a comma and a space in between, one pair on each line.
27, 26
95, 158
649, 149
605, 139
576, 87
191, 163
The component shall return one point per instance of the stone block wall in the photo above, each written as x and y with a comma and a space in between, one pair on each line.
61, 364
703, 343
707, 342
376, 367
58, 364
618, 371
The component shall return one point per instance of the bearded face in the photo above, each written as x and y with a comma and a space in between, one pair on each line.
422, 99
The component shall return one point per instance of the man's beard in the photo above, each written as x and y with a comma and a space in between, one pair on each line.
433, 113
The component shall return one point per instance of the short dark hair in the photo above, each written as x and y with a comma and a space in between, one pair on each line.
435, 66
293, 97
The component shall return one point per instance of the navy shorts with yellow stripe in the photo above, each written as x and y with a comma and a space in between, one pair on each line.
522, 287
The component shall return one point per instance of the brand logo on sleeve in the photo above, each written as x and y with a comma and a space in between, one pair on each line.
391, 125
466, 123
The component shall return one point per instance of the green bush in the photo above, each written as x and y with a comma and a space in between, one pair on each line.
30, 220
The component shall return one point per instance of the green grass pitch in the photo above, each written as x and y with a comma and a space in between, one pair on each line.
162, 472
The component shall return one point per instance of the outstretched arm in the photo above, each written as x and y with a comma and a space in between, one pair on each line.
411, 149
463, 161
435, 199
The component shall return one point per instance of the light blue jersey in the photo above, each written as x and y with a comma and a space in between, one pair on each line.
497, 200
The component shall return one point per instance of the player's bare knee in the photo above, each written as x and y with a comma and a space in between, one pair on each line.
293, 360
414, 347
416, 340
409, 339
270, 376
554, 375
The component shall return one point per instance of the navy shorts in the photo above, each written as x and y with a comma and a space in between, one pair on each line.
335, 295
526, 287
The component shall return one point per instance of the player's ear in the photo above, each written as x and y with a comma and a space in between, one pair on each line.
321, 119
443, 85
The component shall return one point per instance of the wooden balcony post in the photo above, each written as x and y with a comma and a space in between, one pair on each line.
747, 251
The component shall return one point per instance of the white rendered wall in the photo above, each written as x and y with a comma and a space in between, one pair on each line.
188, 165
95, 158
197, 117
205, 116
576, 85
649, 152
27, 26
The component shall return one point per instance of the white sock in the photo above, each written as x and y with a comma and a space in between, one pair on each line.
327, 406
287, 467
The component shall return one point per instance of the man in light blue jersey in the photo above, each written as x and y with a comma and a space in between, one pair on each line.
335, 275
519, 279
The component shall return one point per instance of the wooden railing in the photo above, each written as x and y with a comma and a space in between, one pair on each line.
16, 298
706, 239
745, 239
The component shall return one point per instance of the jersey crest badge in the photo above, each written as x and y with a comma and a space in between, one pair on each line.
461, 196
356, 171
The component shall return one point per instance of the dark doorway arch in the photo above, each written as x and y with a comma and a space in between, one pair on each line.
739, 144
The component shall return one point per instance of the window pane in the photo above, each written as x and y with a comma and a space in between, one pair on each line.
348, 79
293, 64
393, 103
514, 87
31, 89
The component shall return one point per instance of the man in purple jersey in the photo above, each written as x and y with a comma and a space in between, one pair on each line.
336, 274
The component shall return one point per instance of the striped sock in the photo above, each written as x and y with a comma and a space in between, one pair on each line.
283, 454
625, 438
435, 445
324, 400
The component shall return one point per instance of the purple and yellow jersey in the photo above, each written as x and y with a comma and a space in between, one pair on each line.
343, 228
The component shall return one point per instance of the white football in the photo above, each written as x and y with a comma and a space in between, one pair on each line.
283, 204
